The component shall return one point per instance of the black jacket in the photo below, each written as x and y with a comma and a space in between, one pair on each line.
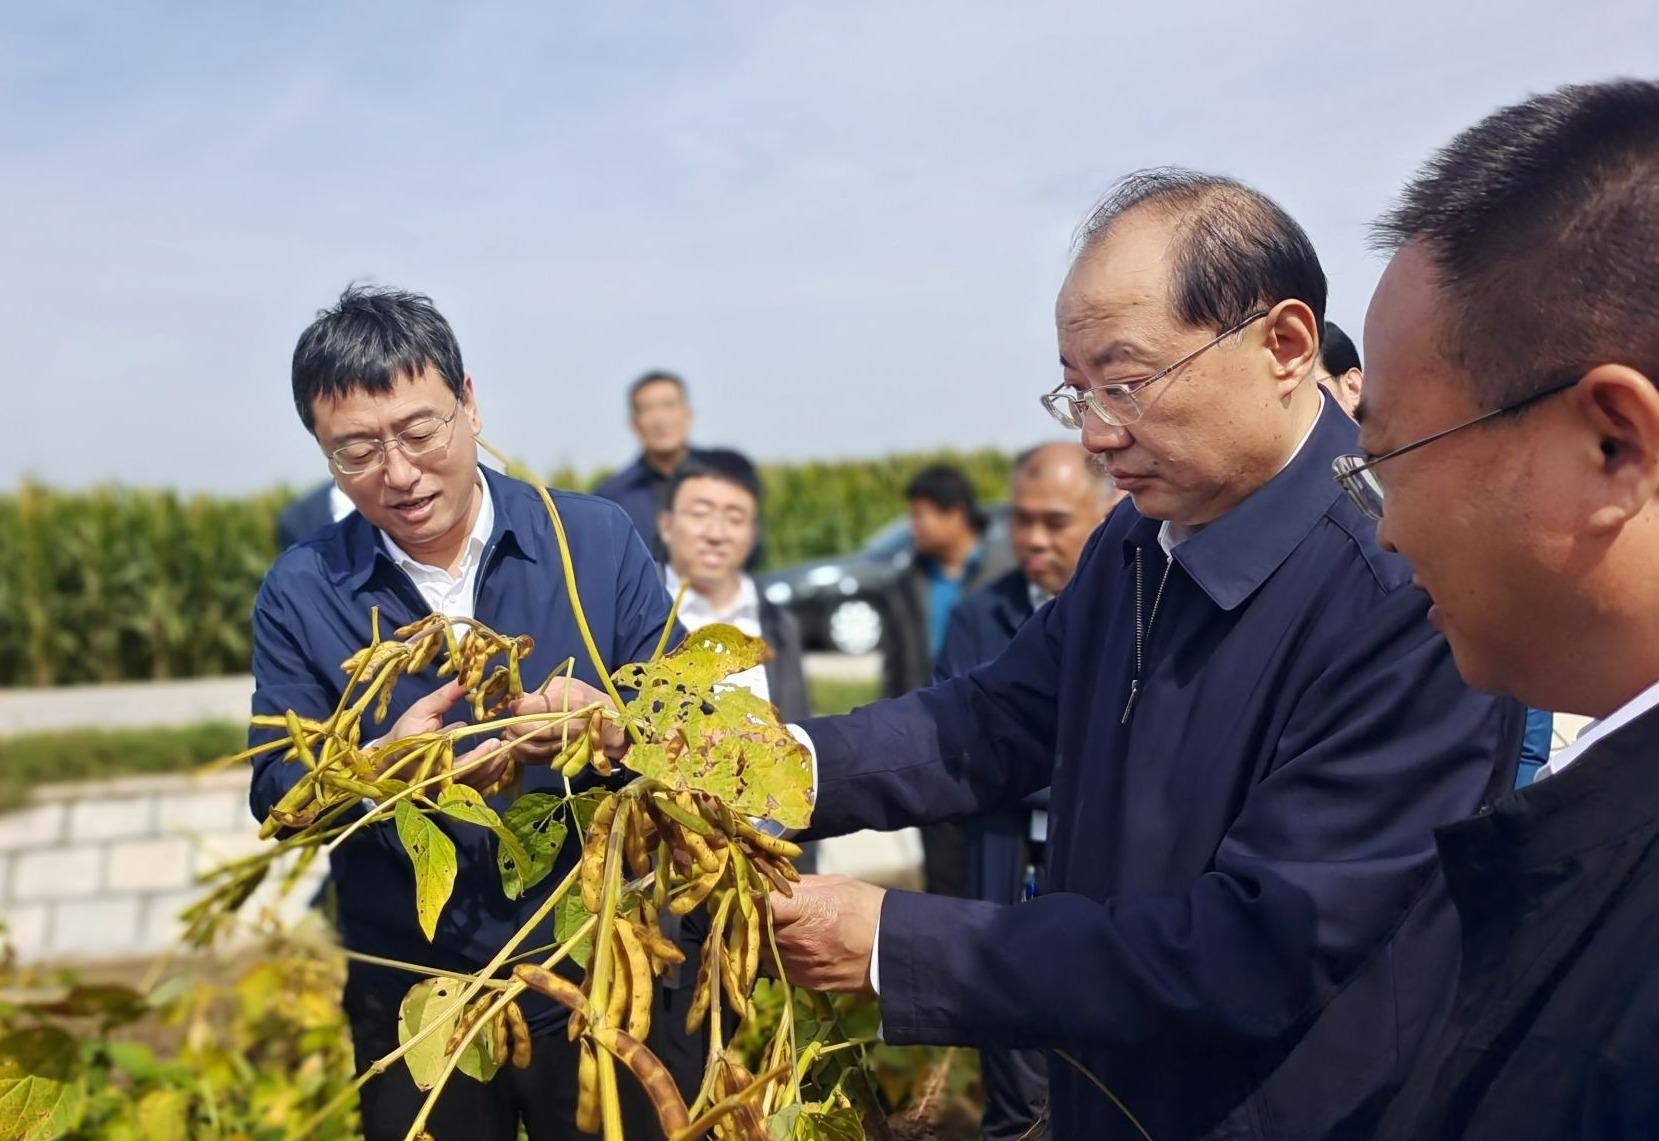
1555, 1028
907, 621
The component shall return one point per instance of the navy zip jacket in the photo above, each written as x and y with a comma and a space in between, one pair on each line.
313, 612
1240, 934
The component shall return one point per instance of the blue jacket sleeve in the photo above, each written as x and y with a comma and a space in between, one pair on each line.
283, 679
1329, 853
962, 747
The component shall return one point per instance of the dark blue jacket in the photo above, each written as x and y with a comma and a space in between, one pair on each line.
313, 612
1241, 936
981, 627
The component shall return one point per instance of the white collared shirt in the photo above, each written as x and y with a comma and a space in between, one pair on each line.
339, 503
452, 595
1598, 730
744, 613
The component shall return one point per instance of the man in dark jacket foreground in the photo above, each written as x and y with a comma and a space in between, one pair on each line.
1523, 278
1257, 732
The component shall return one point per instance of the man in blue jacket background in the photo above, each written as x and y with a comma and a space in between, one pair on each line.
1257, 729
378, 380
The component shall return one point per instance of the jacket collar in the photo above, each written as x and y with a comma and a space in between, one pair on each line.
1604, 797
358, 556
1231, 558
1013, 600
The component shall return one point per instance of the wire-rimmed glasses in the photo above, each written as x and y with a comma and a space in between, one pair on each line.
1116, 403
1357, 474
418, 439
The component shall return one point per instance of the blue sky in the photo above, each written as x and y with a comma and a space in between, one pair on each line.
844, 223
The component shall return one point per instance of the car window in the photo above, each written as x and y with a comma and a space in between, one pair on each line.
890, 541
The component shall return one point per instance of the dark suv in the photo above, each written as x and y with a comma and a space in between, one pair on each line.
832, 597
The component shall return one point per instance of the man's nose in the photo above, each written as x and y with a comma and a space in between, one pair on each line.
1099, 436
400, 470
1385, 537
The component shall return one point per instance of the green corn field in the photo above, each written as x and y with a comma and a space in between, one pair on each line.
119, 584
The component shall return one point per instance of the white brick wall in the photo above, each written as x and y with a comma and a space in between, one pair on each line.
38, 825
102, 869
57, 873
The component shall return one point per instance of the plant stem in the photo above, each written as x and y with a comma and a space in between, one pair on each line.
604, 963
1103, 1088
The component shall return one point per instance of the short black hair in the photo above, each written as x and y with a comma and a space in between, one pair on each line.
1236, 251
653, 377
947, 488
370, 339
1337, 351
1541, 222
729, 467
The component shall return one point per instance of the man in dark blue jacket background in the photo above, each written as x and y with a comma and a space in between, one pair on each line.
1257, 732
1057, 499
378, 380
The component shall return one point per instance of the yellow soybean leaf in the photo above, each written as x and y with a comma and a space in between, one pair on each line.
42, 1093
433, 855
716, 738
433, 1000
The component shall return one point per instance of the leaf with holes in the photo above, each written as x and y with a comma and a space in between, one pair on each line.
459, 802
434, 1000
716, 738
433, 855
533, 821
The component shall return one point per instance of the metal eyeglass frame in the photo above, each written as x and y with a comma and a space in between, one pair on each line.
1354, 473
1069, 409
426, 448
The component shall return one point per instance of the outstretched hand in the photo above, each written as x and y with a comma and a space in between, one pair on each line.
826, 932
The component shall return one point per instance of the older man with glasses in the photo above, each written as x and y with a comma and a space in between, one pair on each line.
1256, 731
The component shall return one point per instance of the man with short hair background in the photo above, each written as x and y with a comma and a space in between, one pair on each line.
950, 560
1058, 496
709, 524
1339, 369
659, 411
1510, 444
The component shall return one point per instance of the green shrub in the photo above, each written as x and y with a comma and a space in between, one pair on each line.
88, 754
123, 583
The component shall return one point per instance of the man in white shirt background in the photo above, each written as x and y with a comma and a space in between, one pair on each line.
709, 526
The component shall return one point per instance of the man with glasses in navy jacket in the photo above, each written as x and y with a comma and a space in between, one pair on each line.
379, 383
1257, 730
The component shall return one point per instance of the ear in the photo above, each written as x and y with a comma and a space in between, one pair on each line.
1620, 407
1352, 382
1291, 337
664, 518
469, 402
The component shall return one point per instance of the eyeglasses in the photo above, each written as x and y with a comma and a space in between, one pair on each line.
1115, 403
1357, 474
419, 438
